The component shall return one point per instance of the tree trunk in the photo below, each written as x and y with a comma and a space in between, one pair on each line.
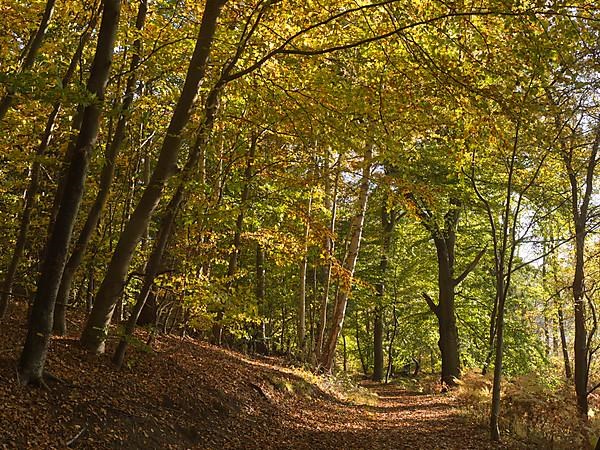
28, 55
302, 287
388, 221
388, 372
36, 170
349, 264
106, 178
580, 344
94, 332
152, 268
263, 346
329, 247
364, 364
237, 239
378, 344
448, 342
495, 410
33, 357
563, 341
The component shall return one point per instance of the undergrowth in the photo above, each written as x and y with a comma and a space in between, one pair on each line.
539, 408
341, 386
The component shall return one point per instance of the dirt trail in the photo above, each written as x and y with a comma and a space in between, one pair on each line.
401, 419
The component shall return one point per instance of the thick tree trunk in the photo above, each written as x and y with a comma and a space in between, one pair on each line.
36, 170
580, 344
33, 357
349, 264
28, 55
94, 332
448, 341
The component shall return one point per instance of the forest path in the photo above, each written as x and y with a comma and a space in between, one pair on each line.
400, 419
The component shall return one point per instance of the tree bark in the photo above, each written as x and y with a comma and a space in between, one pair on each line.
33, 357
94, 332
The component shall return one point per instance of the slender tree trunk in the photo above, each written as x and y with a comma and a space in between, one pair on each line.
349, 264
388, 372
563, 341
89, 298
580, 212
106, 178
302, 287
491, 337
387, 223
378, 343
152, 268
237, 238
260, 297
364, 364
329, 247
33, 357
36, 170
28, 55
495, 411
94, 332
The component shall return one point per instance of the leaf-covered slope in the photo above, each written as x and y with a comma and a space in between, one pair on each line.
188, 394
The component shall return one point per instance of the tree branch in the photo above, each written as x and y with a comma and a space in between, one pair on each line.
434, 308
470, 267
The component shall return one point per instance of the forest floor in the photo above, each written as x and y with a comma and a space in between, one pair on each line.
187, 394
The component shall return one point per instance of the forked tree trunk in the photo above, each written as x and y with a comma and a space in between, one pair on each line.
167, 223
349, 264
94, 332
106, 178
36, 171
33, 357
